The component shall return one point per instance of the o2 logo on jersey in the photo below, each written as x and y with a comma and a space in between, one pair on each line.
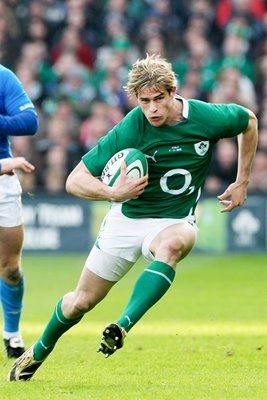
202, 147
177, 171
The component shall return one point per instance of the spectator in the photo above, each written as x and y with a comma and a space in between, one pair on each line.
235, 53
198, 56
9, 37
155, 45
101, 119
258, 181
75, 82
72, 41
56, 164
227, 8
232, 86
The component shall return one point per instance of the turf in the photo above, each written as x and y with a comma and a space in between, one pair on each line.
205, 340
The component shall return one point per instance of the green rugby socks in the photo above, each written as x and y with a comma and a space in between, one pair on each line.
152, 284
55, 328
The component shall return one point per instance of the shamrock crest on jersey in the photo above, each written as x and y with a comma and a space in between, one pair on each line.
202, 147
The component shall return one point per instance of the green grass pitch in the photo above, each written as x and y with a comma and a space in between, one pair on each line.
205, 340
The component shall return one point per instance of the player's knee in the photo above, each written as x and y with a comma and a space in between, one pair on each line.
11, 273
173, 248
83, 303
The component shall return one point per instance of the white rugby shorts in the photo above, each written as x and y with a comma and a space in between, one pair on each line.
122, 240
10, 201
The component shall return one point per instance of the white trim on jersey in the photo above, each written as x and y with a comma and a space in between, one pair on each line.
185, 105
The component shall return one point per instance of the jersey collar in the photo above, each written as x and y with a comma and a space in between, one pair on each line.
185, 105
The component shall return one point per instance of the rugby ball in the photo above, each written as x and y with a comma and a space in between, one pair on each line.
136, 166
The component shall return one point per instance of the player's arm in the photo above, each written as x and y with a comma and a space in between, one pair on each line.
20, 117
22, 124
81, 183
247, 145
8, 165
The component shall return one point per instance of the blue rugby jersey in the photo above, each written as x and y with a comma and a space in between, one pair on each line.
18, 116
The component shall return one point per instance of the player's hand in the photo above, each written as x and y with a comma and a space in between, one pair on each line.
10, 164
126, 188
234, 196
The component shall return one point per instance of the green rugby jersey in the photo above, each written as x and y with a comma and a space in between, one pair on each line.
178, 155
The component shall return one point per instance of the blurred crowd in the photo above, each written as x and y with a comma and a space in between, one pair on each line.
73, 58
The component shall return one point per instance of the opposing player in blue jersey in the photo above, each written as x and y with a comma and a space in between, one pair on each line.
158, 222
17, 117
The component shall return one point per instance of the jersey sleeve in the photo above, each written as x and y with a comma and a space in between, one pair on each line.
15, 97
225, 120
236, 121
18, 115
124, 135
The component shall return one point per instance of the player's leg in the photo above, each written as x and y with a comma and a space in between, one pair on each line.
169, 247
69, 310
11, 287
166, 249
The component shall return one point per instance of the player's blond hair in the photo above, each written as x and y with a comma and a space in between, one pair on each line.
152, 71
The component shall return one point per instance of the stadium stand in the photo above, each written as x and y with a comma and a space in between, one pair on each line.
73, 58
